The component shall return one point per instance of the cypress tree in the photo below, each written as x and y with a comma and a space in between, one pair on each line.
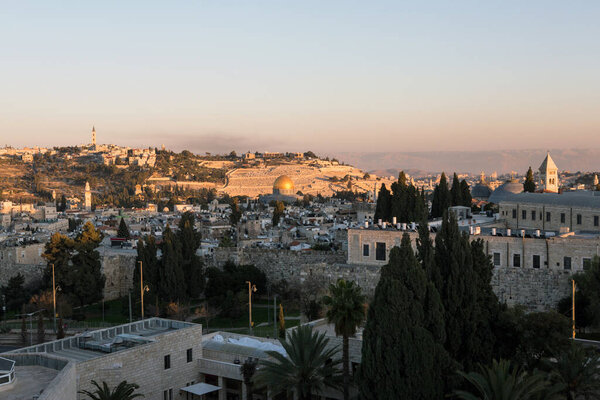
172, 282
460, 287
456, 191
192, 264
467, 199
383, 208
401, 359
441, 198
123, 231
529, 184
146, 253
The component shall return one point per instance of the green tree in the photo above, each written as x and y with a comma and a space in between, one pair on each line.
456, 191
401, 357
123, 231
14, 292
236, 214
307, 369
346, 312
123, 391
278, 212
588, 287
193, 269
467, 199
503, 381
463, 288
147, 254
529, 184
172, 281
442, 198
384, 204
577, 369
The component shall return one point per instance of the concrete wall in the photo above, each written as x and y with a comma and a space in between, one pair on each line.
25, 260
117, 267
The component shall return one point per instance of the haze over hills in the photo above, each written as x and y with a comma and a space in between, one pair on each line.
502, 161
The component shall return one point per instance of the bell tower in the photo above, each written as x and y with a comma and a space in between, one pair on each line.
93, 136
549, 175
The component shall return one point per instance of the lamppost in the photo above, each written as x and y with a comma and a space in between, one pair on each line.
142, 287
251, 288
54, 299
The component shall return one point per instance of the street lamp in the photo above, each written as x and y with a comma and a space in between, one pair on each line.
142, 287
251, 288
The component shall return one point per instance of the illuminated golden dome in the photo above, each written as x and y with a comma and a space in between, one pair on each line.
283, 185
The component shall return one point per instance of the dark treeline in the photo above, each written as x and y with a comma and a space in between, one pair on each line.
405, 202
444, 197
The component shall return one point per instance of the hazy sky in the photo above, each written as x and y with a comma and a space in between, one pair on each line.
296, 75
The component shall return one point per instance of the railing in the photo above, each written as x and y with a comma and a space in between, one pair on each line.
220, 368
7, 371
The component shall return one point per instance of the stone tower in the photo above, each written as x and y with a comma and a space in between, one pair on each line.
88, 197
93, 136
549, 175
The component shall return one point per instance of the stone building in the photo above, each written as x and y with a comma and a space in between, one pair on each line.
567, 212
549, 175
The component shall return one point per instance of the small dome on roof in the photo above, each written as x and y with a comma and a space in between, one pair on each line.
507, 188
481, 191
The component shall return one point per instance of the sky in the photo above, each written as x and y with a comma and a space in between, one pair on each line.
326, 76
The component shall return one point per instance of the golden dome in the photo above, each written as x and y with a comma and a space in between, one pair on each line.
283, 183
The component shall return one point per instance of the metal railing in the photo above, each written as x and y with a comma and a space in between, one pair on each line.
7, 371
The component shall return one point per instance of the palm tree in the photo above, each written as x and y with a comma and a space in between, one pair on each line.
347, 312
502, 381
577, 368
123, 391
309, 366
248, 369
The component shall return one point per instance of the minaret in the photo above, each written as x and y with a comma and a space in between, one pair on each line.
88, 197
93, 136
549, 175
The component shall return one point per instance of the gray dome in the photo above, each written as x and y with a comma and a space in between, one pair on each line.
481, 191
504, 190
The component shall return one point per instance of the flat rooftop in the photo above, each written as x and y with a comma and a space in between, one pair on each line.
98, 343
30, 381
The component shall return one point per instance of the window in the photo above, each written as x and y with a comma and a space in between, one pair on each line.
548, 216
168, 394
523, 214
168, 361
587, 263
189, 355
596, 220
533, 215
567, 263
365, 250
578, 219
536, 261
516, 260
562, 218
496, 259
380, 251
514, 213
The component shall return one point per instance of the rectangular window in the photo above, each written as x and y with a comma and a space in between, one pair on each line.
189, 355
380, 251
536, 261
548, 218
587, 263
523, 214
562, 218
168, 361
516, 260
533, 215
496, 259
596, 220
365, 250
567, 263
514, 213
578, 219
168, 394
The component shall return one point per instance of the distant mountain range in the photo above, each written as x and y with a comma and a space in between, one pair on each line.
501, 161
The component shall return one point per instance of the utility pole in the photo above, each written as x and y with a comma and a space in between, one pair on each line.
54, 298
251, 288
573, 280
142, 287
130, 318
